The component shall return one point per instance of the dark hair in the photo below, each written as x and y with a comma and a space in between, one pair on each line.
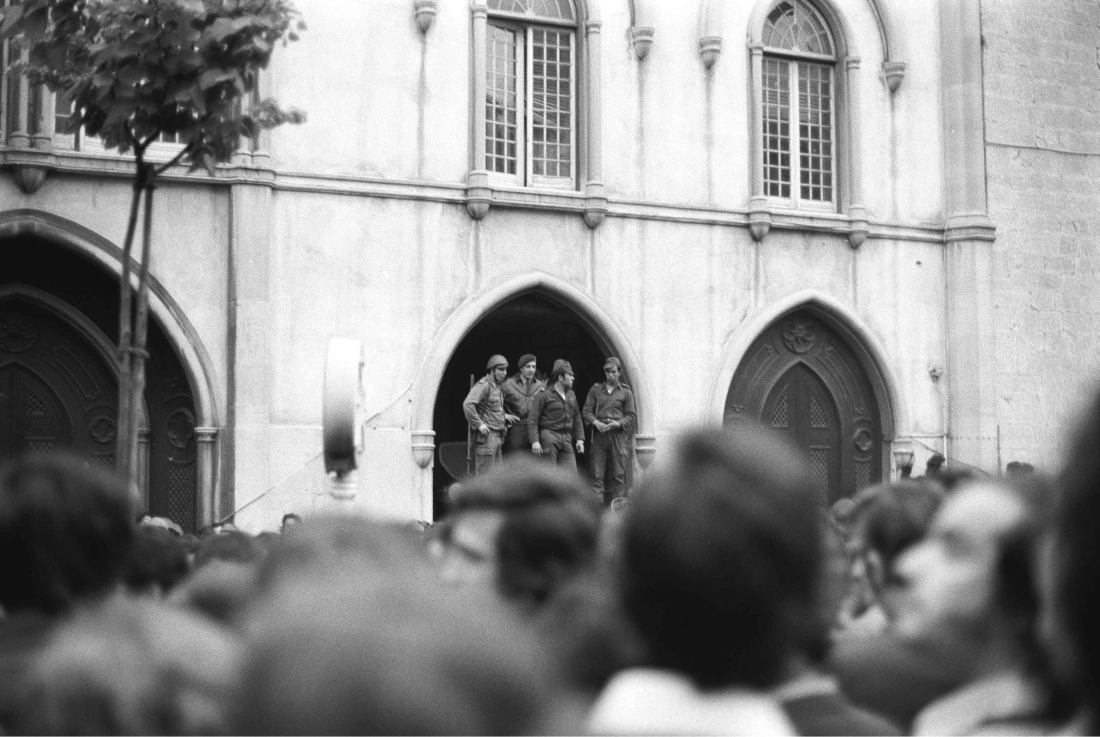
896, 517
721, 556
233, 547
1077, 597
1017, 595
65, 532
157, 557
359, 648
549, 530
291, 515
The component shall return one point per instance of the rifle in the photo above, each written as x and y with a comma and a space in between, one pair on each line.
469, 438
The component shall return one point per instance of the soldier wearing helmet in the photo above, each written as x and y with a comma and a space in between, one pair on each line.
484, 410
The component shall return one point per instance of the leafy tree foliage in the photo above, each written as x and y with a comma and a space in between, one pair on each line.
139, 69
136, 69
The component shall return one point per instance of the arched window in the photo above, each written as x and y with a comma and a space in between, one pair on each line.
798, 108
531, 93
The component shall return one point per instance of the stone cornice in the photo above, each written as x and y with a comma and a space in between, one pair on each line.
963, 227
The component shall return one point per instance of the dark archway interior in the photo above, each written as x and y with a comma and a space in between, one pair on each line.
89, 287
529, 323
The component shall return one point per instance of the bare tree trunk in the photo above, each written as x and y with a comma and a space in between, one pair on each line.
123, 459
141, 324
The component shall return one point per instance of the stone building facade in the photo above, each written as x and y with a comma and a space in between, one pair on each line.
842, 217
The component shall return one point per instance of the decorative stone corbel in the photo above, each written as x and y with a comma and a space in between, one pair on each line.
423, 447
425, 13
645, 447
478, 194
29, 177
893, 72
595, 204
642, 38
710, 48
859, 227
760, 220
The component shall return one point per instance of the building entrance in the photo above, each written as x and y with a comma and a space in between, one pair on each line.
801, 378
57, 389
529, 323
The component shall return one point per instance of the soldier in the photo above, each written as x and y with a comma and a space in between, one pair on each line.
609, 411
554, 422
484, 410
518, 392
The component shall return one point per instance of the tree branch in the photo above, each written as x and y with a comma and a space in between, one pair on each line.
173, 161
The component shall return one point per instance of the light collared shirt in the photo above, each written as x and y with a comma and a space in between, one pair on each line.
1005, 703
651, 701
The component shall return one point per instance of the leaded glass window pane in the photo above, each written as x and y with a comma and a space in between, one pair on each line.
777, 128
551, 102
815, 131
548, 9
501, 108
795, 25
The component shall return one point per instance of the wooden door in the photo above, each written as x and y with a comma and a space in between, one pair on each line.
801, 406
32, 417
800, 376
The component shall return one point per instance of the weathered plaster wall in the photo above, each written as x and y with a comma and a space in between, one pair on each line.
189, 236
1042, 98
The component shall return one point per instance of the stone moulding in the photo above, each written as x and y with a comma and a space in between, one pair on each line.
893, 72
645, 447
642, 38
423, 447
29, 167
425, 11
710, 48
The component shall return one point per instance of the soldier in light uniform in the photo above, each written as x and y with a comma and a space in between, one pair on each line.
484, 410
519, 390
609, 411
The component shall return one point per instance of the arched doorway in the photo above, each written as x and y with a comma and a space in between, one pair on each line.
801, 378
57, 383
533, 322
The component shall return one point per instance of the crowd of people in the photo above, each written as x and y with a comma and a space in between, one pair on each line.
723, 599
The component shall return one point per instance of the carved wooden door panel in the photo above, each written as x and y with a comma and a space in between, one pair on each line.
32, 418
800, 376
56, 391
801, 406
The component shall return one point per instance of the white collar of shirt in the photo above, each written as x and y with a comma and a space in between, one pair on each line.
650, 701
805, 686
1000, 697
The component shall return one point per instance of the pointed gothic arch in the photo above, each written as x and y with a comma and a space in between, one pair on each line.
801, 362
188, 411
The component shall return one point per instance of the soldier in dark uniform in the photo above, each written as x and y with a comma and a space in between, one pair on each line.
484, 410
609, 411
554, 422
519, 390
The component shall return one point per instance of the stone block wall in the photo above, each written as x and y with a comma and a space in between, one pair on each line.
1042, 107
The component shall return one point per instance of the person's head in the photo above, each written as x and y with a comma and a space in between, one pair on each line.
158, 561
889, 519
66, 529
497, 368
562, 375
720, 558
612, 370
289, 520
131, 666
527, 527
527, 366
934, 464
1073, 606
972, 581
232, 546
1019, 468
355, 649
